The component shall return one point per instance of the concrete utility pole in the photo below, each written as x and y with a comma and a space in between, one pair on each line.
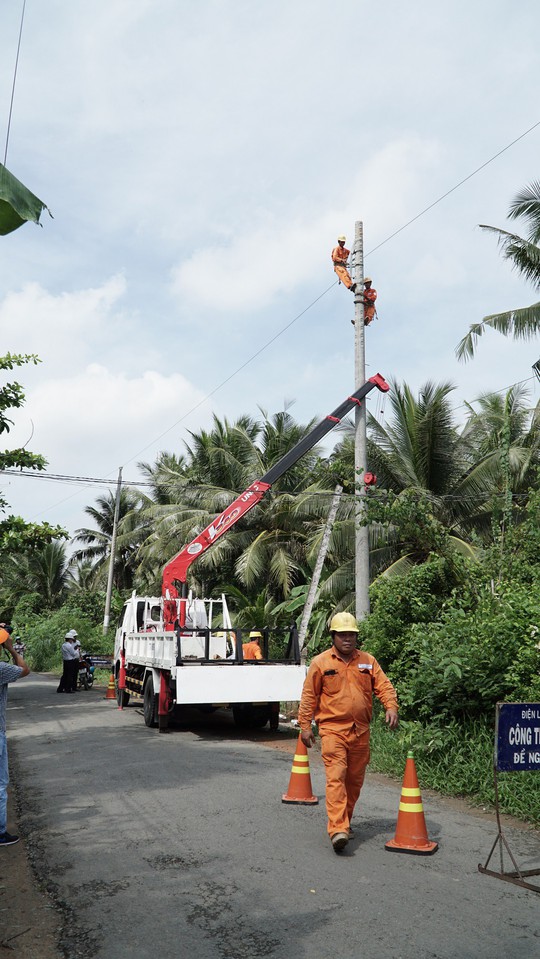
360, 440
112, 556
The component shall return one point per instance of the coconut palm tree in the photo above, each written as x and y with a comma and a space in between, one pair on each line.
524, 255
97, 541
430, 495
266, 549
44, 571
506, 432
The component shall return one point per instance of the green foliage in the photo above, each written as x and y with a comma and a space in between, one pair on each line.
409, 515
453, 643
15, 534
44, 634
524, 255
400, 603
457, 760
317, 637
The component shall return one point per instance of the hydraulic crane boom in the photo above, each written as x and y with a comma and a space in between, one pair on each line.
176, 570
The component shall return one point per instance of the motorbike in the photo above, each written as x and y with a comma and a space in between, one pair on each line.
85, 678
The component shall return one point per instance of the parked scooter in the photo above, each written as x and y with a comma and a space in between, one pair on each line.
86, 672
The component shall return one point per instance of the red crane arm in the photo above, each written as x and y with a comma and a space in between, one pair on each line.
176, 569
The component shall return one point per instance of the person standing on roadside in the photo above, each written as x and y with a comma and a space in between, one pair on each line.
8, 674
70, 662
338, 692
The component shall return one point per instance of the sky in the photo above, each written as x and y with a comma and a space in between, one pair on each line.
199, 162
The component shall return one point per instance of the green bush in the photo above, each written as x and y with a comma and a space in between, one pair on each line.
456, 760
43, 634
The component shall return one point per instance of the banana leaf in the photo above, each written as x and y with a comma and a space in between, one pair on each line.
17, 203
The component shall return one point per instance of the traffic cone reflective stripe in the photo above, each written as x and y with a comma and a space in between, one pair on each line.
302, 765
300, 790
410, 806
411, 833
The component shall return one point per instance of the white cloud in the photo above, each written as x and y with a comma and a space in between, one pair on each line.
279, 253
63, 328
201, 160
97, 419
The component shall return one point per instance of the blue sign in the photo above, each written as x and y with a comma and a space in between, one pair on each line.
517, 737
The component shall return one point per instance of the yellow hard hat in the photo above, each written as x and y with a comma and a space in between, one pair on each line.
341, 238
367, 279
255, 634
343, 623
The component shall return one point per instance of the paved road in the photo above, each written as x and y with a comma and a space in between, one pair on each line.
179, 846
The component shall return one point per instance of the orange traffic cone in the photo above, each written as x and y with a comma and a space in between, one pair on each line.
300, 790
111, 688
411, 833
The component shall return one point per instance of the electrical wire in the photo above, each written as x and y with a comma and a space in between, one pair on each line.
316, 300
456, 187
14, 81
233, 374
375, 494
321, 295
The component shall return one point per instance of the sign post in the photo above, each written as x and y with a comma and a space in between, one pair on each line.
517, 749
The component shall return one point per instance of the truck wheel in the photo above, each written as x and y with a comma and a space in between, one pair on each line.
122, 697
274, 717
247, 716
150, 708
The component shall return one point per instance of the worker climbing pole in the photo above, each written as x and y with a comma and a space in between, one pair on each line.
370, 295
340, 258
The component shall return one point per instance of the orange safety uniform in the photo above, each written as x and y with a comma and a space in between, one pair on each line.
251, 650
369, 305
340, 255
339, 695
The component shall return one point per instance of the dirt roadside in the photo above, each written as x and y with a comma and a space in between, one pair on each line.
30, 924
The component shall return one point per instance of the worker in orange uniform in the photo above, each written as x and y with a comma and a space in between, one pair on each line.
370, 295
340, 256
338, 693
252, 650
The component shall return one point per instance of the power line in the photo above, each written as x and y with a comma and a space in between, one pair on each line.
456, 187
316, 300
233, 374
378, 494
14, 81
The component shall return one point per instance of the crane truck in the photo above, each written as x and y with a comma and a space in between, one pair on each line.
177, 649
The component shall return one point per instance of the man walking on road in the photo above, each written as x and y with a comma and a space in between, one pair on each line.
8, 674
338, 692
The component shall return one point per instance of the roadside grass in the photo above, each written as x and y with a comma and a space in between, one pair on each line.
455, 760
101, 677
